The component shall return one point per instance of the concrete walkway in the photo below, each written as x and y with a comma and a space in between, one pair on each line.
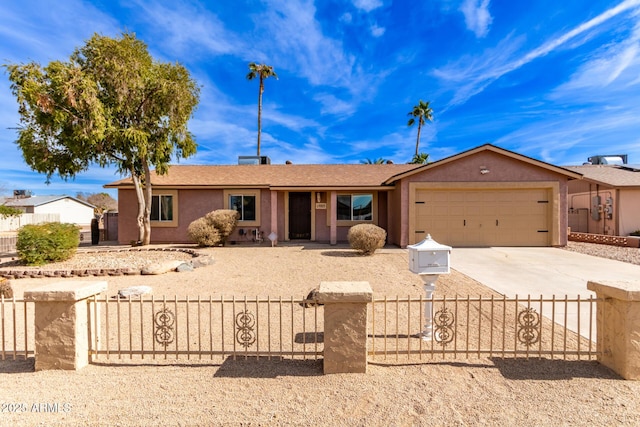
543, 271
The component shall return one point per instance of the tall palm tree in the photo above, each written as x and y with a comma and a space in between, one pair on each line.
424, 114
261, 71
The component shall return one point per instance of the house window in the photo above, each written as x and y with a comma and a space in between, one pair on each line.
162, 208
355, 207
245, 204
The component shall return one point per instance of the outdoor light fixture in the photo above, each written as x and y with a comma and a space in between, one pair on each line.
484, 170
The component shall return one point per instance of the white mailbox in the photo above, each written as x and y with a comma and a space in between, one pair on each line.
429, 257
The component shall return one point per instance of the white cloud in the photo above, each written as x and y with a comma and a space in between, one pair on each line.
299, 45
186, 29
479, 72
367, 5
477, 16
49, 33
377, 31
614, 69
346, 18
561, 131
332, 105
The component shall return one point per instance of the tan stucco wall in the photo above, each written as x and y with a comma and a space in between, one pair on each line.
579, 198
618, 316
628, 211
393, 221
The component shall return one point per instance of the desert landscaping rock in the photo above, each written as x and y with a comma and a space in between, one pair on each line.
134, 291
161, 267
202, 261
184, 267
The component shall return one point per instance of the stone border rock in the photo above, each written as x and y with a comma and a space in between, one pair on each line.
199, 260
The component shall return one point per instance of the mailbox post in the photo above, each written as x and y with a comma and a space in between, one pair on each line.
429, 259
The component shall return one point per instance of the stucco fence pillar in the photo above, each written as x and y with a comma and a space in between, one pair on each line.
62, 323
345, 325
618, 326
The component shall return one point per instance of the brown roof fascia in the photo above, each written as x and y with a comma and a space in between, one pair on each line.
495, 149
335, 188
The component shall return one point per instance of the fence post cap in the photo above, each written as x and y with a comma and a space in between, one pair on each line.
618, 289
345, 292
65, 291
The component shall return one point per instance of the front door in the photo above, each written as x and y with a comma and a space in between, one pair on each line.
299, 216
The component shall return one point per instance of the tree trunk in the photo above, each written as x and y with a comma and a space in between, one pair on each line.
141, 206
147, 203
418, 138
260, 112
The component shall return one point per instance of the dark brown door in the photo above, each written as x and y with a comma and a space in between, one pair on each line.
300, 216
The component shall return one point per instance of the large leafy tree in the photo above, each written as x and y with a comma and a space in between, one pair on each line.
420, 114
111, 103
102, 201
261, 72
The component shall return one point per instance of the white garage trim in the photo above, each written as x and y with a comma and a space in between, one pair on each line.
553, 187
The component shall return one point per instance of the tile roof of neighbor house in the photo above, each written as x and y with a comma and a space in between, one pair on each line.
275, 176
41, 200
613, 175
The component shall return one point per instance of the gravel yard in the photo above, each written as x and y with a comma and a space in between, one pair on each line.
478, 391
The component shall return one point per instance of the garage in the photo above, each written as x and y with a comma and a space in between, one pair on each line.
484, 217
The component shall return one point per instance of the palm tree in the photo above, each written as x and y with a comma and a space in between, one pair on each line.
420, 159
378, 161
262, 71
423, 113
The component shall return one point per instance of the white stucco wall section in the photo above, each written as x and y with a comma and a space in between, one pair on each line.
69, 210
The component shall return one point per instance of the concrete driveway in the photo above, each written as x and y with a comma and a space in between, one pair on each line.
538, 271
546, 272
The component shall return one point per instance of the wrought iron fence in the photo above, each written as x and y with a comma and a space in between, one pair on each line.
483, 327
199, 328
16, 329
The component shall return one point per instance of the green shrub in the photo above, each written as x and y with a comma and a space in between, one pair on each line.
214, 228
9, 212
366, 238
48, 242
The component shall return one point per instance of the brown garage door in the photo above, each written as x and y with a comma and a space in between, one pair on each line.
509, 217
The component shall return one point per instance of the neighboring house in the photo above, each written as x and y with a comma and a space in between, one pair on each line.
70, 209
606, 200
486, 196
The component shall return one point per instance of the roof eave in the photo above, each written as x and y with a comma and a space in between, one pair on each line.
557, 169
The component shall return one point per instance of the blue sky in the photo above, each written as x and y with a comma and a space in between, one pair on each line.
555, 80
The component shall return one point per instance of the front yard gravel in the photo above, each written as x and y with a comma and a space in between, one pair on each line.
227, 392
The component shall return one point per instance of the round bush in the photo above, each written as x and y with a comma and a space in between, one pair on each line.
223, 220
213, 228
203, 233
39, 244
366, 238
